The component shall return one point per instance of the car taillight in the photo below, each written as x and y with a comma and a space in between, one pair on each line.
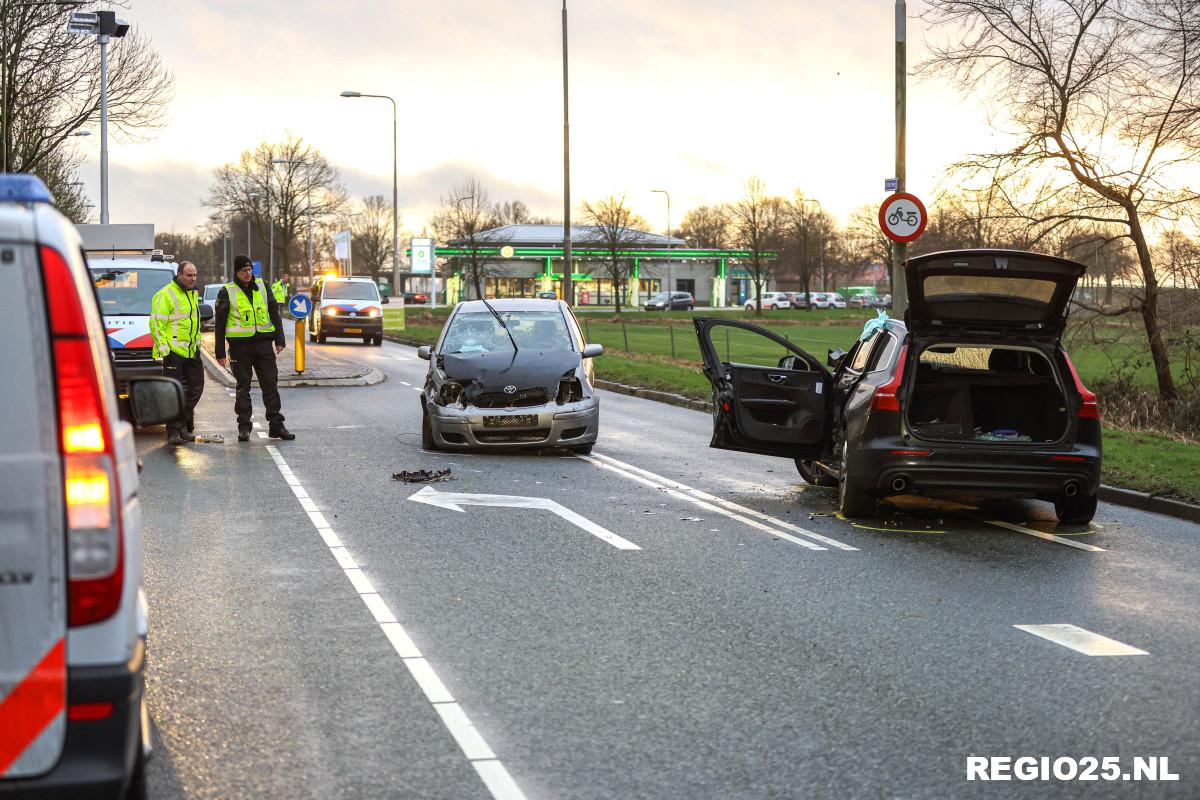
90, 489
886, 397
1088, 407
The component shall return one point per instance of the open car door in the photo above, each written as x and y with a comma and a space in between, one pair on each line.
769, 396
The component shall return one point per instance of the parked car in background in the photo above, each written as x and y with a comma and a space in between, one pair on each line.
797, 299
73, 617
859, 301
674, 301
976, 396
836, 300
772, 300
547, 295
510, 375
209, 298
880, 301
820, 300
415, 298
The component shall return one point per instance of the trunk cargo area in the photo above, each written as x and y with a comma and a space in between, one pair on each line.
987, 394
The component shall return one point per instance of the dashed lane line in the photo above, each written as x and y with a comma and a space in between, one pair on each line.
491, 770
736, 509
1050, 537
1081, 640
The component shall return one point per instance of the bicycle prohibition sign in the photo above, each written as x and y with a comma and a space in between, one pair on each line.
902, 217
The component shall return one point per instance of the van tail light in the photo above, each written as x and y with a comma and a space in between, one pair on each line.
1088, 408
886, 397
90, 490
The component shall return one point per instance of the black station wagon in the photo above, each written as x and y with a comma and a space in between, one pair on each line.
972, 394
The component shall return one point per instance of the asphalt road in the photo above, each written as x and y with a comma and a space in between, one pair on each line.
317, 633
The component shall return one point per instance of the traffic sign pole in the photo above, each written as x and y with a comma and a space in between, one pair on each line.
300, 307
900, 248
299, 347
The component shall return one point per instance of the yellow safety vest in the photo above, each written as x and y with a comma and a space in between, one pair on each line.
175, 321
246, 318
279, 290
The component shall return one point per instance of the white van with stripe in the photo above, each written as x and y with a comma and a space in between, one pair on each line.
72, 615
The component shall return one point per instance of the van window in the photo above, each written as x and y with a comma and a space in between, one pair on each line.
129, 291
350, 290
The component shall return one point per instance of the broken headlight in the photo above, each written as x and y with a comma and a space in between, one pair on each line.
450, 393
570, 390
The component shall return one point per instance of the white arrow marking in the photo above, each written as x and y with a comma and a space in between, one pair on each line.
454, 501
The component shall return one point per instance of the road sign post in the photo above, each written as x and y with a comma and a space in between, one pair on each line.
300, 307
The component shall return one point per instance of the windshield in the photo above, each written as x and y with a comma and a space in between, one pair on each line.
661, 297
481, 333
128, 291
357, 290
211, 291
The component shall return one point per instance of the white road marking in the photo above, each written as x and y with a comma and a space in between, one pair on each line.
740, 509
454, 501
1050, 537
406, 383
1081, 640
491, 771
257, 425
416, 388
262, 434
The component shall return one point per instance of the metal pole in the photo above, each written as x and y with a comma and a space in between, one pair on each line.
308, 250
899, 249
103, 130
271, 256
568, 269
395, 208
248, 238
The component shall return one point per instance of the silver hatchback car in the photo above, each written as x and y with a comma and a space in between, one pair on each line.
510, 374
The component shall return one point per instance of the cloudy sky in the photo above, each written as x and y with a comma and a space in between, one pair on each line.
692, 96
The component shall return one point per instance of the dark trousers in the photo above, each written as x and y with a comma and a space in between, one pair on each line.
189, 372
249, 358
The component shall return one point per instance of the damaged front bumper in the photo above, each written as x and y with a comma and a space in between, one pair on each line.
550, 425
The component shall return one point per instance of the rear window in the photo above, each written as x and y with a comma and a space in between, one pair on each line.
350, 291
129, 291
962, 287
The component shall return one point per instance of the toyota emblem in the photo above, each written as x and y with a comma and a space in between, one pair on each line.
510, 389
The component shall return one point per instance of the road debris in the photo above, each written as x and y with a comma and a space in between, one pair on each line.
209, 438
423, 476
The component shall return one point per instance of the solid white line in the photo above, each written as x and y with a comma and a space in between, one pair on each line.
435, 691
406, 383
1050, 537
416, 388
463, 731
1081, 640
490, 770
298, 490
709, 507
740, 509
257, 425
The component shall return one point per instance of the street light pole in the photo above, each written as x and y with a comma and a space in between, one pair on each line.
252, 197
900, 249
568, 268
104, 25
395, 188
670, 288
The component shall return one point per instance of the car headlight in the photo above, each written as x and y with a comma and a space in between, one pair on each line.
570, 390
450, 393
331, 312
374, 312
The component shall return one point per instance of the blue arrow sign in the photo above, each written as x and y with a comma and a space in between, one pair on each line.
300, 305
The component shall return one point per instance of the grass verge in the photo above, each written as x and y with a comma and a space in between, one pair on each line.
1149, 462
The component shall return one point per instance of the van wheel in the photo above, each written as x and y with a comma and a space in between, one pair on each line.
312, 337
813, 474
320, 337
852, 501
378, 341
427, 441
367, 340
1075, 510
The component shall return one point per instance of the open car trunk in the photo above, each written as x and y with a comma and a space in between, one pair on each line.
987, 395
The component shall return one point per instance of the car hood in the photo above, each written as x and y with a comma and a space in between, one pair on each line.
524, 369
346, 306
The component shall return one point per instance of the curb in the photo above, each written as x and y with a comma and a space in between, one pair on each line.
652, 394
225, 377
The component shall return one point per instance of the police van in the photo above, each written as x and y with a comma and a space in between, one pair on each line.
73, 617
127, 272
346, 307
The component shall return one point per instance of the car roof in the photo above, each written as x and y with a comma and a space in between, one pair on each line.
510, 304
108, 262
344, 279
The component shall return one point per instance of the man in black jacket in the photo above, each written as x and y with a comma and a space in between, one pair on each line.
248, 316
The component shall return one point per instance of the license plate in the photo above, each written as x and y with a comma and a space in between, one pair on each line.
511, 421
353, 330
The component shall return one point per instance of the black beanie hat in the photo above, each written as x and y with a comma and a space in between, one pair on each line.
242, 261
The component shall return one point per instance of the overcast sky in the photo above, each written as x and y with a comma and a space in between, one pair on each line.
692, 96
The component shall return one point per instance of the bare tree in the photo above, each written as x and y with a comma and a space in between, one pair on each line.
281, 185
1106, 93
705, 227
50, 88
617, 231
464, 219
807, 241
758, 221
371, 238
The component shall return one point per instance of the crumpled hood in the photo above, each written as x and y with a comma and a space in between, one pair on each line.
526, 369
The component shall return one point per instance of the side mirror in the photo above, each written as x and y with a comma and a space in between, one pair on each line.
384, 299
835, 357
206, 311
153, 401
593, 350
787, 362
424, 351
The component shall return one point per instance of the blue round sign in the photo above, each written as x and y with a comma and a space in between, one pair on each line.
300, 305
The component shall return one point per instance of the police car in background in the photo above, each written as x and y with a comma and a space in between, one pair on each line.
346, 307
73, 617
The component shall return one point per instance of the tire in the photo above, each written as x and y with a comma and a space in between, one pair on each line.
1075, 510
691, 308
321, 337
312, 337
582, 449
427, 440
367, 341
137, 780
378, 341
813, 474
852, 501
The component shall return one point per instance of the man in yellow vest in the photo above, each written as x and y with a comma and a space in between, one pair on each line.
280, 289
175, 327
248, 316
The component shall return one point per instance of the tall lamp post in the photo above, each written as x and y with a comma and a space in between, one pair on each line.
104, 25
568, 269
395, 191
252, 196
670, 288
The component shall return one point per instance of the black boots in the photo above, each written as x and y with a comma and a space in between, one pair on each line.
281, 432
243, 434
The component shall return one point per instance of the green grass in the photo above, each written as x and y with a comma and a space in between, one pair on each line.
1152, 463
